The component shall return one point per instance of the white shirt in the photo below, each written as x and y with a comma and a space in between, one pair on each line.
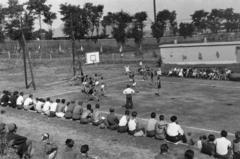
53, 107
28, 101
46, 106
128, 91
20, 100
132, 124
123, 121
222, 145
39, 105
174, 129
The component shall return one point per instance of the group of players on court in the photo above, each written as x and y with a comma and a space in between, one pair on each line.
94, 86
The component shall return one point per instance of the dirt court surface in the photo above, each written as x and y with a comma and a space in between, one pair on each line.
202, 107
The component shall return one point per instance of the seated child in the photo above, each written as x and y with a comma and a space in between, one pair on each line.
112, 120
86, 116
160, 128
97, 117
49, 148
123, 123
20, 101
77, 111
133, 126
53, 108
46, 107
151, 124
208, 147
236, 146
61, 109
39, 105
69, 110
28, 103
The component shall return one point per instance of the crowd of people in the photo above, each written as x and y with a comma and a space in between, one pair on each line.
200, 73
156, 127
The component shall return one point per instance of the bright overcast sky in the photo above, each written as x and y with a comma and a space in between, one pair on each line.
184, 8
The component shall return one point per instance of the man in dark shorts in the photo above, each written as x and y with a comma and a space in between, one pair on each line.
158, 85
128, 92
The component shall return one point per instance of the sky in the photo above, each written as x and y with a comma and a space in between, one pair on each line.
183, 8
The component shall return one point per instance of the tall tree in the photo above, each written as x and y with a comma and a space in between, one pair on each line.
215, 20
120, 23
106, 21
186, 29
160, 25
77, 17
2, 18
199, 20
137, 29
39, 8
95, 14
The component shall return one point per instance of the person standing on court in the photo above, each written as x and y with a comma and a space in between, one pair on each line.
128, 92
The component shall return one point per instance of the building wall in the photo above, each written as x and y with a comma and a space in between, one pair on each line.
201, 54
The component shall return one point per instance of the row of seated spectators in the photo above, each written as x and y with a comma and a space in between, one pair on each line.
201, 73
155, 127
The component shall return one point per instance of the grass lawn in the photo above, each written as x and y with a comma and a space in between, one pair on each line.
202, 107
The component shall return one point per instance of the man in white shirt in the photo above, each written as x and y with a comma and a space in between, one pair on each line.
46, 107
128, 92
223, 146
20, 101
28, 103
174, 132
39, 105
123, 122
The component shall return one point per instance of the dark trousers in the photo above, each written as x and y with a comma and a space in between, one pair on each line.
129, 102
177, 138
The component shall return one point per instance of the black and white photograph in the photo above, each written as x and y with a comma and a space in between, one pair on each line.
119, 79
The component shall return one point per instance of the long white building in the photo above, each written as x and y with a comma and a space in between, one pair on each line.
201, 53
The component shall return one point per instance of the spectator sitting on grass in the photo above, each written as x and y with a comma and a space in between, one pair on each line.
39, 105
223, 146
163, 151
46, 107
151, 124
28, 103
123, 123
20, 100
13, 99
69, 111
77, 111
189, 154
69, 152
96, 116
61, 109
53, 108
134, 126
84, 152
174, 132
22, 144
112, 120
49, 148
86, 116
160, 128
236, 146
202, 139
5, 98
208, 147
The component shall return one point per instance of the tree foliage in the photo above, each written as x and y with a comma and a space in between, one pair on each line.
75, 19
159, 26
186, 29
199, 20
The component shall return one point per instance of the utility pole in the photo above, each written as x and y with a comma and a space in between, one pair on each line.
154, 10
23, 44
73, 47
